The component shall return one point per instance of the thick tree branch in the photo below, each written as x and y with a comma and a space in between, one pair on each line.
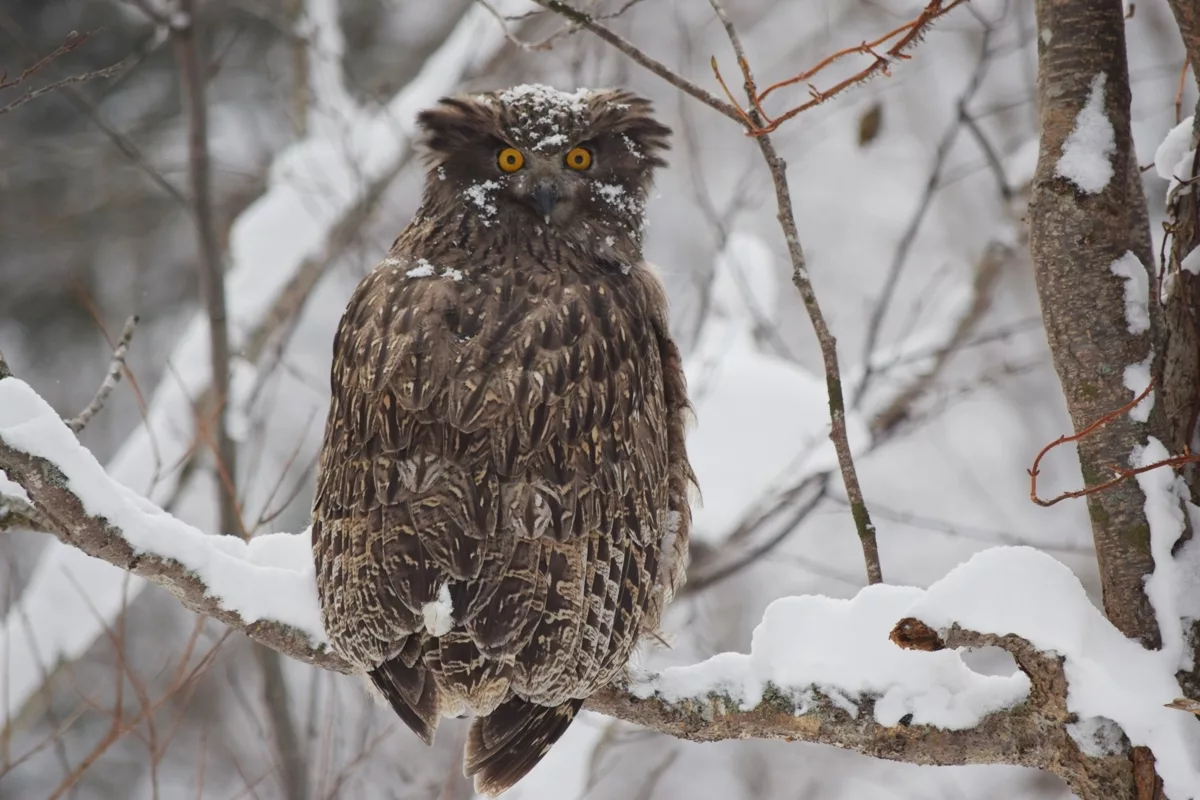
1076, 235
1026, 724
74, 526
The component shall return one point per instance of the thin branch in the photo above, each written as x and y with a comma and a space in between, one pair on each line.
909, 237
758, 122
33, 94
116, 368
88, 107
1123, 473
825, 338
210, 268
586, 22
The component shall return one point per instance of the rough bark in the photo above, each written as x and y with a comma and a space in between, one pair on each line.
1031, 733
1187, 17
1075, 237
1181, 344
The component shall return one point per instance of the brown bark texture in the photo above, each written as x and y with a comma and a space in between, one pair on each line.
1075, 237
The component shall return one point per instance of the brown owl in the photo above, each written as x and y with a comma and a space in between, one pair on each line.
502, 502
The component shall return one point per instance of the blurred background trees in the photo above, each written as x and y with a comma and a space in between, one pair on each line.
909, 193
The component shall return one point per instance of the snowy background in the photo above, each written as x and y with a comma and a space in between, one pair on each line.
909, 194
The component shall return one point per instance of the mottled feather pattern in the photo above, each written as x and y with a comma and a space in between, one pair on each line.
505, 442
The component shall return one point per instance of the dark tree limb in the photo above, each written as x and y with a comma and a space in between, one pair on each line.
211, 269
1026, 734
1075, 237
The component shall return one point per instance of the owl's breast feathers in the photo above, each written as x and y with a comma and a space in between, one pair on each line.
502, 505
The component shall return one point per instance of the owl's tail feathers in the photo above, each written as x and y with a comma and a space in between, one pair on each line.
412, 694
506, 744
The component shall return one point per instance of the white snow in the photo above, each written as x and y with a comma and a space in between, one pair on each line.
439, 614
547, 100
1173, 158
1165, 515
1096, 736
616, 196
1023, 591
269, 577
1087, 153
553, 140
480, 195
1137, 291
455, 275
736, 447
10, 489
841, 648
423, 269
1136, 378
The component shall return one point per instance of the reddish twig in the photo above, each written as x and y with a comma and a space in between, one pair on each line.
1179, 91
1121, 473
73, 40
909, 33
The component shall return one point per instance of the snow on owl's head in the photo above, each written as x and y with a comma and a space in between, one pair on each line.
539, 156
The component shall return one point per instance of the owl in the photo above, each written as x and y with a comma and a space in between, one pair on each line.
502, 503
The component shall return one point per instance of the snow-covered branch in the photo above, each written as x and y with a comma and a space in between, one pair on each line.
819, 670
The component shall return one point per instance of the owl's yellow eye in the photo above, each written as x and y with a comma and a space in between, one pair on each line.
510, 159
579, 158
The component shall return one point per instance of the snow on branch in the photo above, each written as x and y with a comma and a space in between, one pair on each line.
819, 670
265, 587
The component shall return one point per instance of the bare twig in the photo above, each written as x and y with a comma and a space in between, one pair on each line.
210, 268
909, 237
116, 368
825, 338
758, 122
1122, 473
33, 94
586, 22
88, 107
72, 41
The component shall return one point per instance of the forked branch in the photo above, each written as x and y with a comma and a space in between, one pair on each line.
906, 36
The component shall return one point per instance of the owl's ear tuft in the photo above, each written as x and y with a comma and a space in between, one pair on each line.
631, 117
454, 123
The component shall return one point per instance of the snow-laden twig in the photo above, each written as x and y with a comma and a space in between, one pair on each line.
819, 670
279, 248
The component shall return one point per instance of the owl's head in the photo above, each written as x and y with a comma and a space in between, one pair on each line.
535, 154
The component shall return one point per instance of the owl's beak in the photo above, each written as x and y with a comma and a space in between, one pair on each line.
545, 197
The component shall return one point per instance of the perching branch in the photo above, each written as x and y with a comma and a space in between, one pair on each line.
1032, 732
1010, 736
